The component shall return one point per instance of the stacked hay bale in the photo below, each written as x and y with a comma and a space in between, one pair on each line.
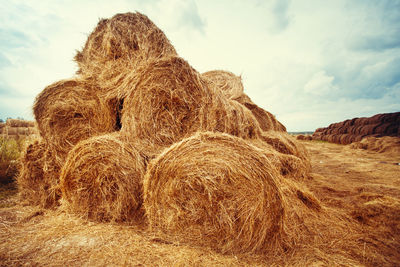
349, 131
140, 136
16, 128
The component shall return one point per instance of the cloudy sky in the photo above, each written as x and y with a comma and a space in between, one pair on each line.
308, 62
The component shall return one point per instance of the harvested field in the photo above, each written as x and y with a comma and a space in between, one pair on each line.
359, 187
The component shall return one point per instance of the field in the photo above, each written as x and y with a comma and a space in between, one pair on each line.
361, 187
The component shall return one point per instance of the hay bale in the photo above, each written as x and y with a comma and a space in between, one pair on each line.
19, 123
286, 144
171, 101
22, 130
215, 190
230, 84
228, 116
117, 46
102, 179
11, 130
232, 88
38, 176
69, 111
300, 137
167, 102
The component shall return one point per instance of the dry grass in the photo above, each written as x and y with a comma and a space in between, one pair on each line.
231, 87
167, 102
38, 176
116, 47
386, 144
217, 191
171, 101
102, 179
69, 111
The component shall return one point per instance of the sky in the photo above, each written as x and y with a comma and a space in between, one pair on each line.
309, 62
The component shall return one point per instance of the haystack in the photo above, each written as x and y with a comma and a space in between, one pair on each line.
19, 123
232, 88
230, 84
167, 102
69, 111
102, 179
38, 176
171, 101
287, 144
215, 190
117, 46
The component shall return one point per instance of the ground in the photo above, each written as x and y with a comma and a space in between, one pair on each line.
362, 186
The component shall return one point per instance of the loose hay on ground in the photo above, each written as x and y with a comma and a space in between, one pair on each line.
102, 179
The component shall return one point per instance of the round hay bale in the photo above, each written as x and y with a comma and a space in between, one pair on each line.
230, 84
215, 190
228, 116
171, 101
232, 88
102, 179
300, 137
69, 111
22, 130
117, 46
382, 128
38, 176
167, 102
19, 123
286, 144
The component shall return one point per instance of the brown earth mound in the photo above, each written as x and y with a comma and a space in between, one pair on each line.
349, 131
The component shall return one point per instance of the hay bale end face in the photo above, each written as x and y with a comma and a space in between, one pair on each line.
102, 179
215, 190
167, 102
69, 111
230, 84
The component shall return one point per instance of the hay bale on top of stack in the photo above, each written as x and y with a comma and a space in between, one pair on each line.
116, 47
133, 98
232, 87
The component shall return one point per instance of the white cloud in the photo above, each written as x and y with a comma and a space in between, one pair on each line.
320, 84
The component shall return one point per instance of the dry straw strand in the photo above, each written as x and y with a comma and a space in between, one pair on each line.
69, 111
102, 179
215, 190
